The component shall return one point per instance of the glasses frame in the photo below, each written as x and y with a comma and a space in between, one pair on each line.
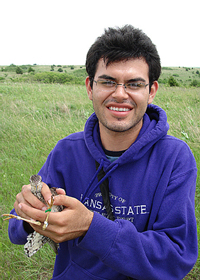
124, 85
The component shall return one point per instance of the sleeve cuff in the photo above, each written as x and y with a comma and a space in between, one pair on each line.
100, 236
16, 231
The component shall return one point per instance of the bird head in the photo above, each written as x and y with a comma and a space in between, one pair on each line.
35, 181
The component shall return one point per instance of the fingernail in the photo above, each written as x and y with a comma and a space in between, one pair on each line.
20, 206
44, 208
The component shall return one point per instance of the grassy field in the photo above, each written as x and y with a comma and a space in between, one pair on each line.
34, 117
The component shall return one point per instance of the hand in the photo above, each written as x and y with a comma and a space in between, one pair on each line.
72, 222
26, 197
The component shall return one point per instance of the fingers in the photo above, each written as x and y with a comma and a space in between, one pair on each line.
74, 212
26, 197
47, 193
72, 222
38, 215
68, 224
32, 213
67, 201
60, 191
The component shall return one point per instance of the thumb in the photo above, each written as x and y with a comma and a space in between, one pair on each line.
60, 191
67, 201
46, 192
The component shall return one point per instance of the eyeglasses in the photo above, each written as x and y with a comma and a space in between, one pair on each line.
110, 86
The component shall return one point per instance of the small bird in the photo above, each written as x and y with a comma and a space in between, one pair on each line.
35, 240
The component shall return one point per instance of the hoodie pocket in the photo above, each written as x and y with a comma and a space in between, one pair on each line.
75, 272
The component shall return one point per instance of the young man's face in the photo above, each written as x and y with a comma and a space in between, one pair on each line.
120, 111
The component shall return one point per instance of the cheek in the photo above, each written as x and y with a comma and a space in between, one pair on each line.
145, 100
99, 98
140, 100
141, 104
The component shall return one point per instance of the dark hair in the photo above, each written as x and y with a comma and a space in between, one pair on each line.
118, 44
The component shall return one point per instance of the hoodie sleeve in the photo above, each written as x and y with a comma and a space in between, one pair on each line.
16, 231
168, 249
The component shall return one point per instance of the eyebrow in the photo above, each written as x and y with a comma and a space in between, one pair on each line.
138, 79
106, 77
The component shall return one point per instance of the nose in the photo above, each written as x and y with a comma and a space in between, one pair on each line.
120, 92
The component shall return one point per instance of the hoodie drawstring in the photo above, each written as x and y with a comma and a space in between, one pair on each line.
89, 190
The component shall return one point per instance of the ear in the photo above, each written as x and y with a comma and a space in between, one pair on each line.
153, 91
88, 87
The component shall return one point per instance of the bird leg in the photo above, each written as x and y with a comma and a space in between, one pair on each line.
11, 216
31, 221
48, 212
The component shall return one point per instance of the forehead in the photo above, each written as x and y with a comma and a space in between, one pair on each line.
126, 69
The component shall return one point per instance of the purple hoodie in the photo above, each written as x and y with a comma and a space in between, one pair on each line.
152, 189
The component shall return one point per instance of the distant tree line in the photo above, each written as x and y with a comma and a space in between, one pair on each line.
75, 77
78, 76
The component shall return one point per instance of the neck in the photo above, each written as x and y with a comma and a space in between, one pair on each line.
118, 141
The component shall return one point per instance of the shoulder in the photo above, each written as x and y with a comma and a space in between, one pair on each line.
75, 137
175, 144
71, 142
177, 151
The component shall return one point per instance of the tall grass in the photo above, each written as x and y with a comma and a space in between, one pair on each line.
33, 118
182, 107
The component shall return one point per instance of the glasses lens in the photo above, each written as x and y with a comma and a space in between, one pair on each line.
106, 85
134, 87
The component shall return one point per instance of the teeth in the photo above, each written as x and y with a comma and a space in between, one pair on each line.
119, 109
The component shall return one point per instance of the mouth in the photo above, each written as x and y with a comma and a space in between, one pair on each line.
119, 109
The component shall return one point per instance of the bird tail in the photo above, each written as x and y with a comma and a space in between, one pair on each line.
34, 242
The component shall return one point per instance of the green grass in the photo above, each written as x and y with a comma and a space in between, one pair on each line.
33, 118
183, 75
182, 107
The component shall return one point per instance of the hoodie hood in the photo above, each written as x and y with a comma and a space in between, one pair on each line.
154, 127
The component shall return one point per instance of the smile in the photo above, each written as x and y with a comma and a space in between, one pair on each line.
119, 109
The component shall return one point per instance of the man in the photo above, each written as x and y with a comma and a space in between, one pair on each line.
144, 226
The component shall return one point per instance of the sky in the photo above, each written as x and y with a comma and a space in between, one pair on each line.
47, 32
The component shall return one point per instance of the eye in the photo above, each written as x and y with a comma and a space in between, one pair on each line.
107, 83
135, 85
